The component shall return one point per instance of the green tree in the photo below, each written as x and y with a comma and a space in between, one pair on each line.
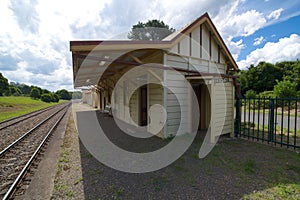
45, 91
285, 89
4, 86
40, 89
266, 94
153, 30
46, 97
64, 94
15, 91
35, 93
25, 89
55, 98
260, 78
250, 94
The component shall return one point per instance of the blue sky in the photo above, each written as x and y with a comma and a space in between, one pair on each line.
35, 34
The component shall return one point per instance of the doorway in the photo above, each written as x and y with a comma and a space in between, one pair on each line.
204, 103
143, 107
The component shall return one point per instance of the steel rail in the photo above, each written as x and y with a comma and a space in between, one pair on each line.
29, 132
29, 162
28, 116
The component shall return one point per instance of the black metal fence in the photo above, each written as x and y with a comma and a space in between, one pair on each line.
271, 120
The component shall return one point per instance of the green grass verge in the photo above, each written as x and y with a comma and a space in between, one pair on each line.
281, 191
266, 111
16, 106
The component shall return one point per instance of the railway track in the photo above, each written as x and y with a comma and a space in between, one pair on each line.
13, 128
17, 157
15, 120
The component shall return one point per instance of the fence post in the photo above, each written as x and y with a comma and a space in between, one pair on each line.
271, 120
237, 116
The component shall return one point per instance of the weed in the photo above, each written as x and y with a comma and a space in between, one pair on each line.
249, 166
60, 186
158, 183
64, 158
96, 171
78, 180
179, 168
295, 168
280, 191
117, 191
71, 194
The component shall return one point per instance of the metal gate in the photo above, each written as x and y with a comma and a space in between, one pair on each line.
271, 120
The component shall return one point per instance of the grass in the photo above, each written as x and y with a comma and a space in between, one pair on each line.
118, 192
158, 183
16, 106
259, 129
266, 111
78, 180
281, 191
249, 166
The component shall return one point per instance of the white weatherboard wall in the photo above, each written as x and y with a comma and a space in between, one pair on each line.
222, 108
175, 111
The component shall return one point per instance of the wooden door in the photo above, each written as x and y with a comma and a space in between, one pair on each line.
143, 106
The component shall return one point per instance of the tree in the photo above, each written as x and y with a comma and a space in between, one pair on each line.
285, 89
15, 91
250, 94
64, 94
4, 86
55, 98
260, 78
46, 97
40, 89
25, 90
153, 30
35, 93
45, 91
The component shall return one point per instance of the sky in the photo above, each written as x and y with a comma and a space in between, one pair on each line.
35, 34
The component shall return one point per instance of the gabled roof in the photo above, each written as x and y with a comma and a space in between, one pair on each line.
167, 43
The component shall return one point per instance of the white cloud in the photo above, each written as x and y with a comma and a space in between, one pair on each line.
231, 24
244, 24
236, 47
286, 49
258, 41
275, 14
34, 45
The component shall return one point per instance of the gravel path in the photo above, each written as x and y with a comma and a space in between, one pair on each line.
233, 169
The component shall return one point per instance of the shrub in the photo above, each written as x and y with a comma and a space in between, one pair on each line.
35, 93
46, 97
250, 94
266, 94
285, 89
55, 98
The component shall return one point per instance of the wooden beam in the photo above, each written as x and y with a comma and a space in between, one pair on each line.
135, 58
155, 75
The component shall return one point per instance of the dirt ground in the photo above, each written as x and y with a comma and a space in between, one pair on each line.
235, 169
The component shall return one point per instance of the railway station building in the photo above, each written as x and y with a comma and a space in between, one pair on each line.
164, 75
